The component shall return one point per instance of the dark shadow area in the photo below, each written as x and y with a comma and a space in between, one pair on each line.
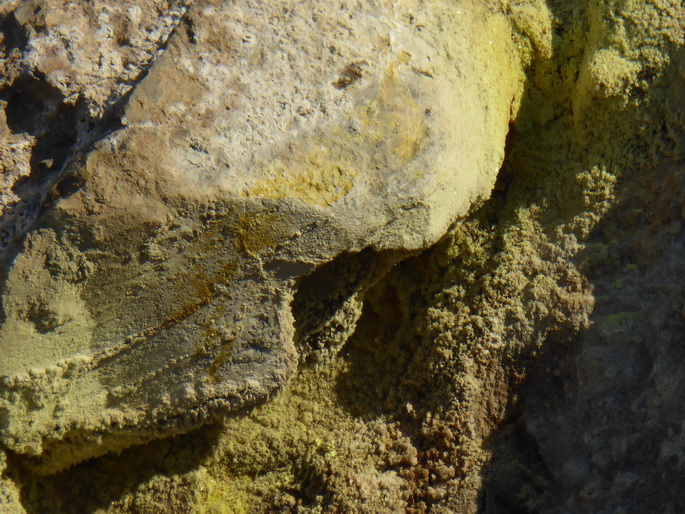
598, 418
16, 35
517, 474
378, 354
323, 293
517, 479
606, 407
35, 107
97, 483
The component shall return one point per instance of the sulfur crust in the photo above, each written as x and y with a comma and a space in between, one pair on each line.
402, 416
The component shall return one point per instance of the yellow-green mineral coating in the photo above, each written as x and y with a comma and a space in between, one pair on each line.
401, 133
157, 292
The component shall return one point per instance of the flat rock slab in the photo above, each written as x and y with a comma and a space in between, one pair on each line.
269, 139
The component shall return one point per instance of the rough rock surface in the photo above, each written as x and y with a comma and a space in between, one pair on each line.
265, 141
64, 69
530, 361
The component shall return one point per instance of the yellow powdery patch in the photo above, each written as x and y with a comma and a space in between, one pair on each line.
316, 180
380, 136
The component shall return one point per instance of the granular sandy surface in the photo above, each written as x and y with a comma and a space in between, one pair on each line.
531, 361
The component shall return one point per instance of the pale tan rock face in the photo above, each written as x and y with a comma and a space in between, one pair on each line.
268, 139
91, 51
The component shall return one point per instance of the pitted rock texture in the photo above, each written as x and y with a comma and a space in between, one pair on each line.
267, 140
65, 68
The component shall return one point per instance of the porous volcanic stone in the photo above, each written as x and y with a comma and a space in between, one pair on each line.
268, 140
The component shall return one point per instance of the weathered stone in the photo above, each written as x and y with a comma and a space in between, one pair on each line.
269, 139
65, 67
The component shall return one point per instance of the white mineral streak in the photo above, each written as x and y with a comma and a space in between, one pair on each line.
267, 139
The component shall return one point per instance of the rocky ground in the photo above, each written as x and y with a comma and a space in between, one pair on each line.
530, 361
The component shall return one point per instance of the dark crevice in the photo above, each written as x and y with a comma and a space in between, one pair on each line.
517, 477
323, 292
68, 186
190, 30
15, 34
505, 177
352, 73
36, 107
29, 98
